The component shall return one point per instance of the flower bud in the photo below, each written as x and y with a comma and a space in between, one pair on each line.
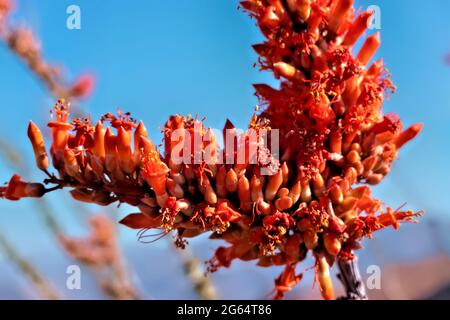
288, 71
353, 157
141, 131
244, 194
110, 151
349, 203
273, 184
17, 189
336, 195
285, 173
174, 189
336, 142
82, 195
305, 195
295, 192
256, 189
338, 15
369, 48
231, 181
283, 203
357, 28
369, 163
324, 278
71, 166
311, 239
263, 208
37, 141
126, 162
318, 185
207, 190
98, 148
331, 243
408, 135
146, 145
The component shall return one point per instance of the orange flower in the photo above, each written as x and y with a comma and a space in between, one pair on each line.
154, 171
17, 189
37, 141
60, 131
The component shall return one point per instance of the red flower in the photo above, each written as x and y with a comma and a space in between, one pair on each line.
17, 189
83, 86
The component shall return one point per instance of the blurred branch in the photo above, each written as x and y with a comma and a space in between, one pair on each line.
48, 216
101, 253
22, 42
126, 290
202, 283
11, 155
42, 285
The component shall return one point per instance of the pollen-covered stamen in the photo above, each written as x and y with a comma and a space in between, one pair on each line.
170, 213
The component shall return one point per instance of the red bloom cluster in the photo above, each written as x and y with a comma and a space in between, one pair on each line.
334, 141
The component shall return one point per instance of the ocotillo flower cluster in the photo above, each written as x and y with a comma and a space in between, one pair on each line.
334, 142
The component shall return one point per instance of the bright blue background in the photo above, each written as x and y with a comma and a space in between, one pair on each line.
156, 58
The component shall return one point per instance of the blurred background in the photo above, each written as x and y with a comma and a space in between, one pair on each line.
155, 58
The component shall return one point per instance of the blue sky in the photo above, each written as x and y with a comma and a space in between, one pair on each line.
155, 58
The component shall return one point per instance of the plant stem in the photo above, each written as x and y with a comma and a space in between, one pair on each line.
352, 280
